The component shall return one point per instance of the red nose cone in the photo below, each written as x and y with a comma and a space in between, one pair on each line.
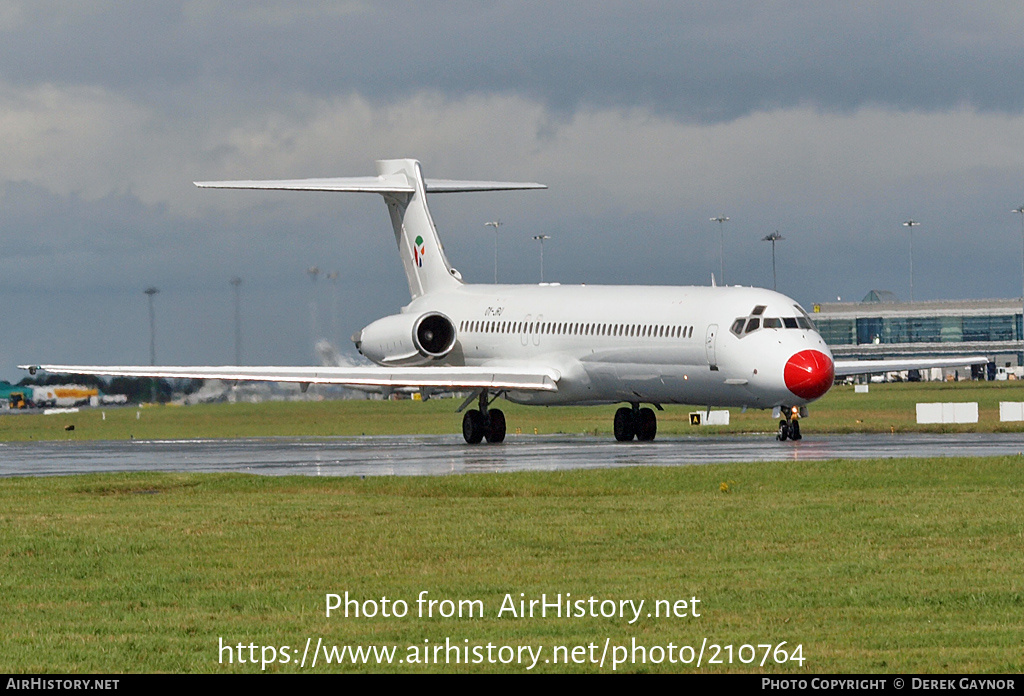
809, 374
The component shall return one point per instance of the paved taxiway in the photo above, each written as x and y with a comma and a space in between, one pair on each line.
447, 454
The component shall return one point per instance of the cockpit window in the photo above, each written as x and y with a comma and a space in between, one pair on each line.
754, 321
806, 319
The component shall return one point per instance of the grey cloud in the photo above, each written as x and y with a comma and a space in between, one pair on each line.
699, 61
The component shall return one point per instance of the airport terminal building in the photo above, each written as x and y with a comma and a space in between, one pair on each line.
880, 326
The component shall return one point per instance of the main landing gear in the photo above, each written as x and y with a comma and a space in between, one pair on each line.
789, 426
637, 422
486, 423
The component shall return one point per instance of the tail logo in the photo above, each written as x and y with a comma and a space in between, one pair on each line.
419, 251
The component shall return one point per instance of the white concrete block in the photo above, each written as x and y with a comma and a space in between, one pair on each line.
929, 413
1011, 410
948, 412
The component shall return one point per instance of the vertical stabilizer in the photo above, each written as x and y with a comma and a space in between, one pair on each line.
426, 267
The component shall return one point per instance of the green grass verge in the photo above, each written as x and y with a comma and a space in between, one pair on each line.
886, 408
871, 566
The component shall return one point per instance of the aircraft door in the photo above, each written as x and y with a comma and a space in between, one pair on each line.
709, 345
524, 335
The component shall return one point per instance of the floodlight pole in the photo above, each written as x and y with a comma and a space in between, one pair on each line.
150, 292
314, 311
495, 224
721, 220
910, 225
773, 237
235, 283
333, 277
540, 238
1020, 211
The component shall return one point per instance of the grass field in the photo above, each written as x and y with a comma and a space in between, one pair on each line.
876, 566
869, 566
886, 408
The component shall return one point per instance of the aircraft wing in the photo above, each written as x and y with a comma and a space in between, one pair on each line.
862, 367
496, 378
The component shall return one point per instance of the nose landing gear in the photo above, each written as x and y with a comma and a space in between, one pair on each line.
789, 426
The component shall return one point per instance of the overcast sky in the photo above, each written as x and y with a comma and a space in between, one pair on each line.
830, 122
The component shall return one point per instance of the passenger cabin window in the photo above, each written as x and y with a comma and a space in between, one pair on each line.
740, 326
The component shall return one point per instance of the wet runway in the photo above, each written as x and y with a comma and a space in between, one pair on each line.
431, 455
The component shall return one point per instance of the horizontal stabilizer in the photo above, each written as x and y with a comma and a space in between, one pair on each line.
454, 186
863, 367
516, 378
393, 183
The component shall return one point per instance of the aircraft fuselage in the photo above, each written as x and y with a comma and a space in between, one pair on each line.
636, 344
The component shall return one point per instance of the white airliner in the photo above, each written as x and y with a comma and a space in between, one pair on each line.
552, 344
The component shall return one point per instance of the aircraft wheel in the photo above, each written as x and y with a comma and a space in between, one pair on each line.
646, 425
496, 426
473, 426
625, 427
794, 430
783, 431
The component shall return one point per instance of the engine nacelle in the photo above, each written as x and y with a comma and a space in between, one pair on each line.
405, 339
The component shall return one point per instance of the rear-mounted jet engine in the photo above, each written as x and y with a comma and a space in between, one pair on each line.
404, 339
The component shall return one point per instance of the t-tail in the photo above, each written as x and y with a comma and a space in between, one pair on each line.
405, 191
